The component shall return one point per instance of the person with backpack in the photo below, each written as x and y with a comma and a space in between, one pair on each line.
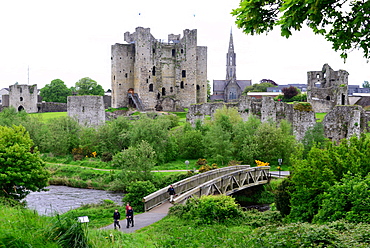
130, 217
116, 217
172, 193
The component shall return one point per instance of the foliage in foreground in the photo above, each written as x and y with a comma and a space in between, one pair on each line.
208, 209
21, 169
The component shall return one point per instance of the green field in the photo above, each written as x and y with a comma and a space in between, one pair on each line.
320, 116
50, 115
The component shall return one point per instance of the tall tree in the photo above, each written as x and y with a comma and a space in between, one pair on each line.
56, 91
87, 86
21, 171
261, 87
344, 23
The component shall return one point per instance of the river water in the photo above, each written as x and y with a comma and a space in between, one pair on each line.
60, 199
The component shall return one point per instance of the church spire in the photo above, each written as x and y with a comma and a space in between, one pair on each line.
230, 60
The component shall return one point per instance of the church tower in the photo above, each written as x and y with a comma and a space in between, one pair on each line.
230, 89
230, 60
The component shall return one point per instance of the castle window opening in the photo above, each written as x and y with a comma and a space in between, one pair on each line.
20, 108
20, 90
147, 80
83, 109
182, 50
114, 77
171, 89
328, 98
153, 50
182, 84
126, 75
150, 87
153, 71
158, 96
111, 58
163, 91
120, 58
183, 73
21, 99
173, 52
198, 88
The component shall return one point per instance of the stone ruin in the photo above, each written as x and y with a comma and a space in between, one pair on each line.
341, 122
87, 110
327, 88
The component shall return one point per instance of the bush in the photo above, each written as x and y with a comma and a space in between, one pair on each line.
136, 191
106, 157
208, 209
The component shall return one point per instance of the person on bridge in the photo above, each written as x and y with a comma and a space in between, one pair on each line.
116, 217
172, 192
130, 217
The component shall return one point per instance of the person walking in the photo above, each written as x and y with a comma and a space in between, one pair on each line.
172, 193
116, 218
130, 217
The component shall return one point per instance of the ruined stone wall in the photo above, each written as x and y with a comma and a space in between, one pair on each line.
266, 109
107, 101
5, 101
88, 110
23, 97
51, 107
155, 69
345, 121
331, 91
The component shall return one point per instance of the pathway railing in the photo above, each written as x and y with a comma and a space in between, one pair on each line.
187, 184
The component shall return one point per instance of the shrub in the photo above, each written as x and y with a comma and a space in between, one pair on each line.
208, 209
303, 106
136, 191
106, 157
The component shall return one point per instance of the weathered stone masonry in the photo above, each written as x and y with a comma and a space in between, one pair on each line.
163, 75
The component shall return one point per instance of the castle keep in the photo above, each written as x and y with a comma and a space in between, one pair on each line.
150, 74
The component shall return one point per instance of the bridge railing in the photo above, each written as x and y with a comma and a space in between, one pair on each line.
187, 184
229, 183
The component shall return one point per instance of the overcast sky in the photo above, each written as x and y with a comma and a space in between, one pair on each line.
70, 40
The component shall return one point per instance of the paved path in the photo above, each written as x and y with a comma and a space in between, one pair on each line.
144, 219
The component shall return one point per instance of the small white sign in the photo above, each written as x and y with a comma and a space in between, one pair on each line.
83, 219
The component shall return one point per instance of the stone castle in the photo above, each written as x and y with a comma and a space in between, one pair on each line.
230, 89
150, 74
327, 88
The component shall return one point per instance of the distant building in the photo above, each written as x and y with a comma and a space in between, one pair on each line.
230, 89
3, 91
302, 87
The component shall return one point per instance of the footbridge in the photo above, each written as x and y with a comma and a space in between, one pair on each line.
227, 180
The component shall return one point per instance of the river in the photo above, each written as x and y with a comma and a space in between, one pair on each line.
60, 199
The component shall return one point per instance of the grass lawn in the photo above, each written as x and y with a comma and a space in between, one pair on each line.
50, 115
320, 116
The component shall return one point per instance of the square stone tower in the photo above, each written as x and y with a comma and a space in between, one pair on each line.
327, 88
23, 97
147, 73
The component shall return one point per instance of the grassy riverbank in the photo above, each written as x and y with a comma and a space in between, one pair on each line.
24, 228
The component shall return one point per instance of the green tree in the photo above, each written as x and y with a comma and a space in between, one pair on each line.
348, 199
21, 171
114, 136
62, 135
87, 86
261, 87
56, 91
10, 116
314, 136
366, 84
343, 23
190, 144
156, 133
136, 192
138, 160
